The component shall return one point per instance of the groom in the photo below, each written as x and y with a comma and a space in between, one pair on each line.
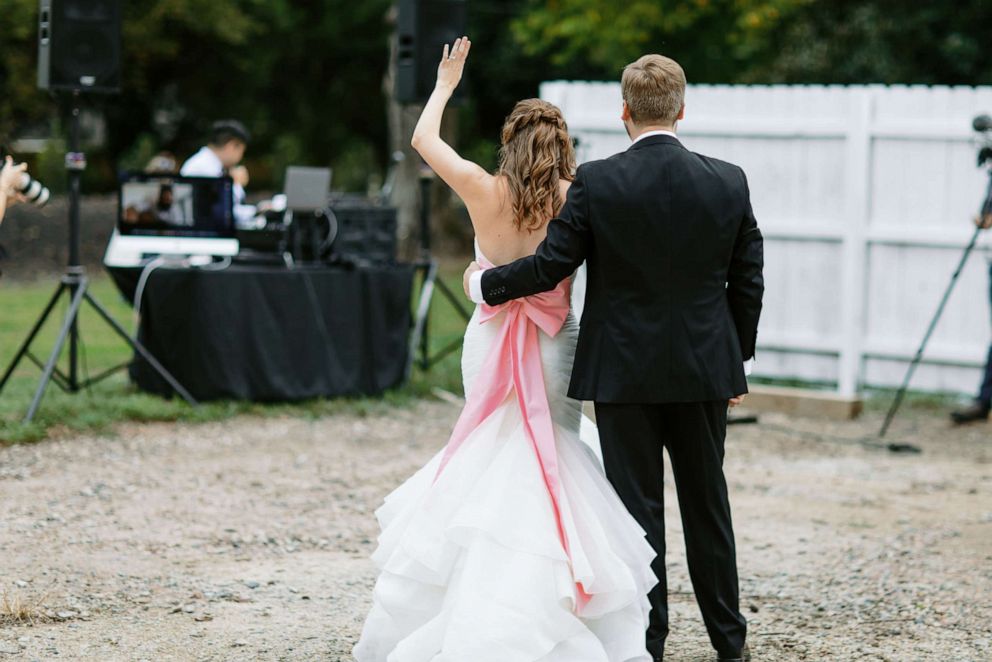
674, 293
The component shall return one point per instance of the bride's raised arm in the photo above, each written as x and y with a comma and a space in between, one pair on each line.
464, 176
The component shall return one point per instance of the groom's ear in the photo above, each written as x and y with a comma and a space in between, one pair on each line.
681, 113
625, 114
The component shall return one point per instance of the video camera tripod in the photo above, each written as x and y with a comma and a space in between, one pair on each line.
983, 125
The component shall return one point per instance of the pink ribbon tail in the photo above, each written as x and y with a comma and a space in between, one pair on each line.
514, 364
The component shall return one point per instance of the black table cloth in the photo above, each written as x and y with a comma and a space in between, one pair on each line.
271, 333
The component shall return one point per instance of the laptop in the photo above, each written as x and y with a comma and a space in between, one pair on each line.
307, 189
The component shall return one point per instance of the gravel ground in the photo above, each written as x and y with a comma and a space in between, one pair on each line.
248, 539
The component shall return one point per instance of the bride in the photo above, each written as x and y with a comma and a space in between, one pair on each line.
510, 545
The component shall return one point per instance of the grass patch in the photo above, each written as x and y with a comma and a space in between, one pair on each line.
96, 410
877, 399
115, 400
15, 609
880, 399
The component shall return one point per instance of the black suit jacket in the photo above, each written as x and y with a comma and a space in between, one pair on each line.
674, 263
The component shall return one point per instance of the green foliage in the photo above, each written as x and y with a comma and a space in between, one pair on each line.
770, 41
307, 77
21, 104
710, 38
20, 101
140, 153
304, 74
882, 41
49, 166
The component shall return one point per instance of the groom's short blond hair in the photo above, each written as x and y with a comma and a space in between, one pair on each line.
654, 89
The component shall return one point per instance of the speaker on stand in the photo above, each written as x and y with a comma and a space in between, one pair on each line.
79, 46
423, 28
79, 51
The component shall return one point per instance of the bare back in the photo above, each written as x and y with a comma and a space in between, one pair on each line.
491, 211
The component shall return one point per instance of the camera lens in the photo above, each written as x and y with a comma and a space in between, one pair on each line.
34, 191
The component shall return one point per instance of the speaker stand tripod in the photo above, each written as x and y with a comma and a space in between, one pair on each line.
419, 351
75, 285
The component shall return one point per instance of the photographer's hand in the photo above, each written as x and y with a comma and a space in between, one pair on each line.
984, 222
10, 176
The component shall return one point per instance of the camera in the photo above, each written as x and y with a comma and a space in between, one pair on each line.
34, 191
983, 125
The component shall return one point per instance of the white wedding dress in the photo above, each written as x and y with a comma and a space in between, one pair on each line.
472, 565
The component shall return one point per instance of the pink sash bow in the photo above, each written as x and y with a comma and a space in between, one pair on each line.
514, 363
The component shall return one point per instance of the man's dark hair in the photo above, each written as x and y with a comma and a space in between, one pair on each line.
225, 131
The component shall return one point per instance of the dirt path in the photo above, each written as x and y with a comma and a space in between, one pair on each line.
248, 540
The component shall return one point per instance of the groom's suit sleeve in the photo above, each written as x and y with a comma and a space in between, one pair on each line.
745, 282
558, 256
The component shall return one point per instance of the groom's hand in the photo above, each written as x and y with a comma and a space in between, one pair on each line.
734, 402
472, 268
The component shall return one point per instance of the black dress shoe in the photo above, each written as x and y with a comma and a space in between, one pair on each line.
974, 413
744, 655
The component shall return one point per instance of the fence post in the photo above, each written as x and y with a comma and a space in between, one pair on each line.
857, 157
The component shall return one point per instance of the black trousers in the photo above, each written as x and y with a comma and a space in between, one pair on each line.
632, 438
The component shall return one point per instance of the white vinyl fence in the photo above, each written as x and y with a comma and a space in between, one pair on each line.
865, 196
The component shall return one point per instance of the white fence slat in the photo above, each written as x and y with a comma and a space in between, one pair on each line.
864, 195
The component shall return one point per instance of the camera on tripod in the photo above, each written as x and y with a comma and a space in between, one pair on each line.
983, 125
33, 191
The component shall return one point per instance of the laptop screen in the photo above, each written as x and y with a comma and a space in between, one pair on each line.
170, 206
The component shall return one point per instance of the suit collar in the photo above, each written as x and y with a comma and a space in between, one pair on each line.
660, 139
656, 132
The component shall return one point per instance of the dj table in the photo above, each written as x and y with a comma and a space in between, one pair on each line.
267, 333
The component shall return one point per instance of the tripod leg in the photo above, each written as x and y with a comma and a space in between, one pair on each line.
73, 380
34, 332
430, 282
454, 299
420, 323
46, 375
425, 341
897, 402
140, 349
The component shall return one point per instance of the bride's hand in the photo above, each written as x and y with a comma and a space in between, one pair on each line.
467, 277
449, 71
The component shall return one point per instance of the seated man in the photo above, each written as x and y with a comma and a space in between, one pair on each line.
228, 141
979, 409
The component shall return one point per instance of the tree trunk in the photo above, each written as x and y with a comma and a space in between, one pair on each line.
402, 120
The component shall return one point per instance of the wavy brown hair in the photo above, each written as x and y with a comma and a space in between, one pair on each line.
536, 154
